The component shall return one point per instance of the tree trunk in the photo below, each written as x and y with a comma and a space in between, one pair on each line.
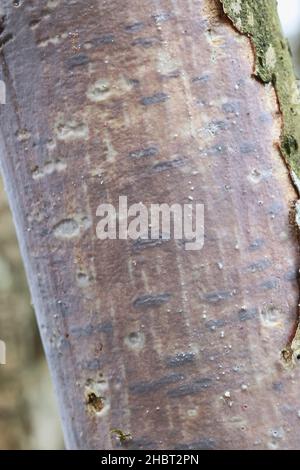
157, 101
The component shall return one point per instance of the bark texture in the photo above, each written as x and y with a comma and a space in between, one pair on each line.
157, 101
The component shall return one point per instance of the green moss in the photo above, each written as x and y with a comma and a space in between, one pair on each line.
122, 436
259, 20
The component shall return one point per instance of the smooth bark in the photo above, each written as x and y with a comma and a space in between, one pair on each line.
155, 100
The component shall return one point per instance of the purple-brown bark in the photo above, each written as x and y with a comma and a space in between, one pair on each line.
150, 99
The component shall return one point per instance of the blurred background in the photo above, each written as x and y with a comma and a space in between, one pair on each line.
289, 13
28, 411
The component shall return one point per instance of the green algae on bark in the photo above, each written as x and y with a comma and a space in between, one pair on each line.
260, 22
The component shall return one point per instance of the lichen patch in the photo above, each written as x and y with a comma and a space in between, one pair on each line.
95, 400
